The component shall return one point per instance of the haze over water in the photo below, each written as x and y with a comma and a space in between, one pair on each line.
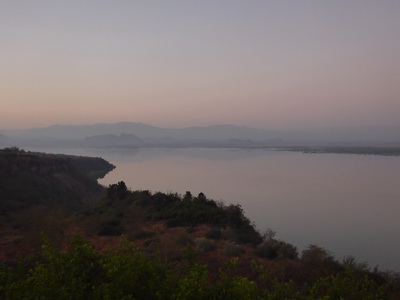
348, 204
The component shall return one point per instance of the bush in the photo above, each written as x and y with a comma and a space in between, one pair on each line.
117, 191
183, 239
214, 233
247, 234
142, 234
232, 249
347, 285
319, 257
111, 228
204, 245
273, 249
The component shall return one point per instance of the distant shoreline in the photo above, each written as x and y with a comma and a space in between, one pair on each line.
358, 150
381, 151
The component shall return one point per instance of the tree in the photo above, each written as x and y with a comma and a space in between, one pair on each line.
117, 191
188, 196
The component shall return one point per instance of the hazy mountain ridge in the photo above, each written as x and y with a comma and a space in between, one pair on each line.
83, 131
112, 139
4, 140
139, 134
143, 131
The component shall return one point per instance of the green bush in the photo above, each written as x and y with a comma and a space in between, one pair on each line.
349, 286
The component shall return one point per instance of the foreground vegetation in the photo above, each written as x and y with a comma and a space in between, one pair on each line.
215, 252
127, 273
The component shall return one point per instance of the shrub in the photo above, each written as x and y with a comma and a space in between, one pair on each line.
142, 234
153, 245
117, 191
347, 285
183, 239
319, 257
232, 249
247, 234
204, 245
111, 228
272, 249
214, 233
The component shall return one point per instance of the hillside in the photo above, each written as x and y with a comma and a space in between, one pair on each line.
29, 179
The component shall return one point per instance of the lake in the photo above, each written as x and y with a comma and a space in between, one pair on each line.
348, 204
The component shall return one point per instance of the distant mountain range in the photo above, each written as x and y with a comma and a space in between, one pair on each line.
138, 134
5, 141
129, 134
143, 131
106, 140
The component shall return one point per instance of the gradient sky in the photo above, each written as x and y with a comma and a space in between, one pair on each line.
266, 64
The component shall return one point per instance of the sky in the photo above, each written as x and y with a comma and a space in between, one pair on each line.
265, 64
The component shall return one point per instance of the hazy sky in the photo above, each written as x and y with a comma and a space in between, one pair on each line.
266, 64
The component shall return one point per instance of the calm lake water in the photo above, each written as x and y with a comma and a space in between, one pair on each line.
348, 204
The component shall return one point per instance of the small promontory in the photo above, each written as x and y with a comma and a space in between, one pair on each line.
31, 178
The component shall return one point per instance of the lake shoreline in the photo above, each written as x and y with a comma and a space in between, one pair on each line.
382, 151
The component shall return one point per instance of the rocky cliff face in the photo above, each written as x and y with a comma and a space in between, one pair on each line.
28, 179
